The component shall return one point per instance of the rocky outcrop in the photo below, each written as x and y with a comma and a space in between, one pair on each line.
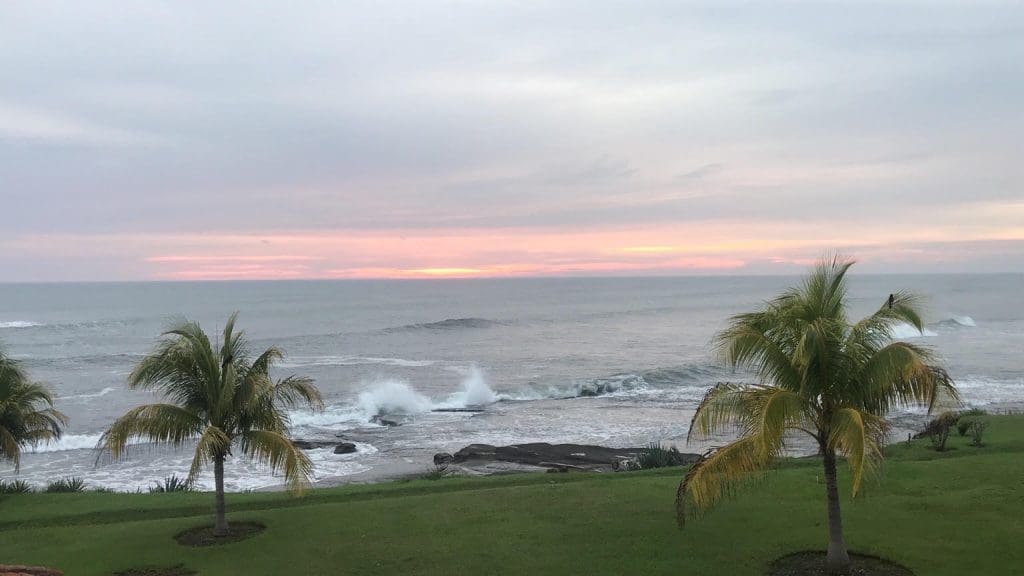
339, 448
382, 421
345, 448
443, 459
568, 457
313, 444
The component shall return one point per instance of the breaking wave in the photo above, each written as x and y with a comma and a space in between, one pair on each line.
647, 382
957, 322
399, 398
904, 331
448, 324
103, 392
20, 324
305, 361
70, 442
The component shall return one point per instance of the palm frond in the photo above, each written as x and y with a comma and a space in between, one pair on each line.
749, 344
213, 443
295, 391
27, 415
859, 436
277, 451
717, 476
159, 423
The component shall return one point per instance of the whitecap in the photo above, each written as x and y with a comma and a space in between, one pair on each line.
20, 324
306, 361
904, 331
70, 442
103, 392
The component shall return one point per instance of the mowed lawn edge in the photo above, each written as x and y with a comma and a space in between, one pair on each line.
957, 512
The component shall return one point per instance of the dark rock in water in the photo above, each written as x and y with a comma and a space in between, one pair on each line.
382, 421
345, 448
475, 452
313, 444
443, 459
557, 456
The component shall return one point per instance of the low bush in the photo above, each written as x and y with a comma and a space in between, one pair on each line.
436, 472
968, 417
171, 484
938, 428
68, 484
977, 430
657, 456
15, 487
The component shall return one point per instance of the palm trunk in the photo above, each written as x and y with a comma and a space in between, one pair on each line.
838, 560
221, 526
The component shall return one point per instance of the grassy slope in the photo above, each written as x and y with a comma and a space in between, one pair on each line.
961, 512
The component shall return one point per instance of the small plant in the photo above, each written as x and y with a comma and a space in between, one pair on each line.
656, 456
977, 430
967, 418
437, 472
68, 484
938, 430
15, 487
171, 484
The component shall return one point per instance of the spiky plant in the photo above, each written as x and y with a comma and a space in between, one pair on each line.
819, 374
219, 398
27, 415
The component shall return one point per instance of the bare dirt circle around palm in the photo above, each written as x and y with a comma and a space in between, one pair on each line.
204, 536
812, 563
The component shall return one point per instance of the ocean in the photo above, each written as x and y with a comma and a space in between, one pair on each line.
611, 361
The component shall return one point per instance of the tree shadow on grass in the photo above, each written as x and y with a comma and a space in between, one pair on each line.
812, 563
204, 536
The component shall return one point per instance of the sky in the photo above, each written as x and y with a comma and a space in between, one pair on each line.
244, 140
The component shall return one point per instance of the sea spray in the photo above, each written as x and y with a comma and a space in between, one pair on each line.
393, 397
904, 331
475, 391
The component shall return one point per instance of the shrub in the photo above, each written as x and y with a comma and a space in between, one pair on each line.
656, 456
15, 487
937, 429
437, 472
977, 430
171, 484
968, 417
68, 484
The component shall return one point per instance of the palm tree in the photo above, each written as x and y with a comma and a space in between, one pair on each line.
820, 375
27, 415
217, 398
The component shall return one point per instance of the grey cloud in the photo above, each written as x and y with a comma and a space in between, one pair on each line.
195, 117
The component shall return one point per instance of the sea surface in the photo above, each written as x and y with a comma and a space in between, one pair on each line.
612, 361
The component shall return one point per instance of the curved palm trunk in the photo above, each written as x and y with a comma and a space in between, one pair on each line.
221, 526
838, 560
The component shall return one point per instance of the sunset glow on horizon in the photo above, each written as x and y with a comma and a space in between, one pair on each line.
515, 145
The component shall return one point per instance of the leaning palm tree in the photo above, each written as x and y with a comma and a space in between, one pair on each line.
217, 397
818, 374
27, 415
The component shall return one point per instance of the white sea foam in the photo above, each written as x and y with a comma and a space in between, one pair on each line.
70, 442
958, 322
475, 391
19, 324
904, 331
393, 397
305, 361
103, 392
335, 417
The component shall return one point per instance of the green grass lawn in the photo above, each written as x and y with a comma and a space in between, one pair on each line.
959, 513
